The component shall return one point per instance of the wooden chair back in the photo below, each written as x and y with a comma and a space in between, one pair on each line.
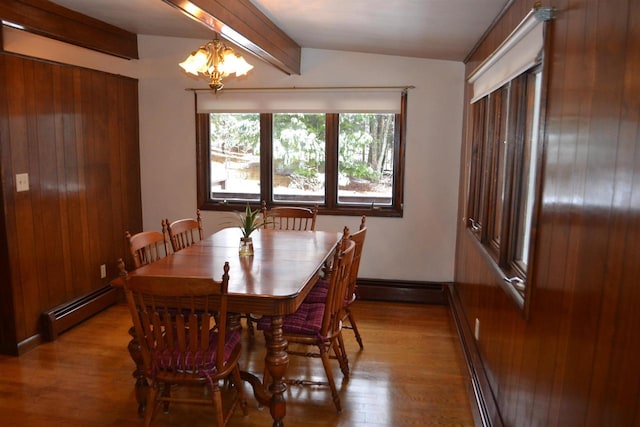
290, 218
184, 232
147, 247
339, 277
176, 315
358, 237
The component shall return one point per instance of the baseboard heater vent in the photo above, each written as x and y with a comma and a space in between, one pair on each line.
69, 314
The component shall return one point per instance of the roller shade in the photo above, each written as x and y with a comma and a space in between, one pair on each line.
300, 100
519, 52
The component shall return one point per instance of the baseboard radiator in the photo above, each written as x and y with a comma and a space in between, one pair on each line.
69, 314
402, 291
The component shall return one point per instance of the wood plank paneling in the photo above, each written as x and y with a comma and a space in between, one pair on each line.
75, 132
573, 360
7, 311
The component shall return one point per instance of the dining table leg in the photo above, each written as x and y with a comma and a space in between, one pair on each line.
276, 362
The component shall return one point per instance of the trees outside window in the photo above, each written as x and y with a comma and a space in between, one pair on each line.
365, 161
346, 163
298, 160
235, 156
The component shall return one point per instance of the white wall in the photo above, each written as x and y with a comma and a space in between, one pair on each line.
419, 246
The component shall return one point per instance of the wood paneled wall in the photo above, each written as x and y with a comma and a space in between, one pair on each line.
75, 132
574, 360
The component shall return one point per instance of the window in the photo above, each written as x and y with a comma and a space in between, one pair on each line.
504, 163
365, 161
347, 163
497, 163
235, 156
526, 177
505, 118
298, 157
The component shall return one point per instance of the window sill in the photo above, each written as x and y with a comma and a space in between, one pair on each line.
376, 211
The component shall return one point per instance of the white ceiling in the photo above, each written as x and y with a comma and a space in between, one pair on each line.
438, 29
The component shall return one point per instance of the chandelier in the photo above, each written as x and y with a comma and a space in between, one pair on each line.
215, 61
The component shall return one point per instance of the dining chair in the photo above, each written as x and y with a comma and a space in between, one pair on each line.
184, 232
289, 217
147, 246
180, 325
320, 324
319, 292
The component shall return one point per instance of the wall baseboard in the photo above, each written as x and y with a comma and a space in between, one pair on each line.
401, 291
28, 344
69, 314
483, 404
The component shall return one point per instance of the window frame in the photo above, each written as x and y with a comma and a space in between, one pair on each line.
481, 200
331, 205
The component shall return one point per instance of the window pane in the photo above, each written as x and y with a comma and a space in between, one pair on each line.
527, 181
476, 181
366, 145
234, 140
498, 164
299, 157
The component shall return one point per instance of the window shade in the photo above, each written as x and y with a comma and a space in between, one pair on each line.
305, 100
519, 52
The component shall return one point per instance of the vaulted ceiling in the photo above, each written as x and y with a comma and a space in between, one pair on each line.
437, 29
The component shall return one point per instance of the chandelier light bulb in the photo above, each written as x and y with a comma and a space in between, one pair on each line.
215, 61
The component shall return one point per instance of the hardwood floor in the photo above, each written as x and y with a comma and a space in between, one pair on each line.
410, 373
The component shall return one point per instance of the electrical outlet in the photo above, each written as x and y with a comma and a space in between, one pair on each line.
103, 271
476, 332
22, 182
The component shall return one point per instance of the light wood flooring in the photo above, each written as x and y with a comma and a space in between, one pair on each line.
410, 373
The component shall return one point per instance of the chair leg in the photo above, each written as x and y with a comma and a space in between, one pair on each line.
341, 355
216, 397
250, 324
166, 393
354, 326
151, 405
324, 355
238, 385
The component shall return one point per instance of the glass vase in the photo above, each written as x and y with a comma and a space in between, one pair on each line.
246, 246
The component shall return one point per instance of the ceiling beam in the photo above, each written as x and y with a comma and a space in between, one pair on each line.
51, 20
241, 23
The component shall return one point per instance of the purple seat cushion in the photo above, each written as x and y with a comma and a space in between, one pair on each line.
306, 320
198, 361
318, 293
322, 283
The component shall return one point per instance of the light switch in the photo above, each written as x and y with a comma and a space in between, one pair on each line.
22, 182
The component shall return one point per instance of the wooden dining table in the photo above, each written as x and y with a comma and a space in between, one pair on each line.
272, 282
